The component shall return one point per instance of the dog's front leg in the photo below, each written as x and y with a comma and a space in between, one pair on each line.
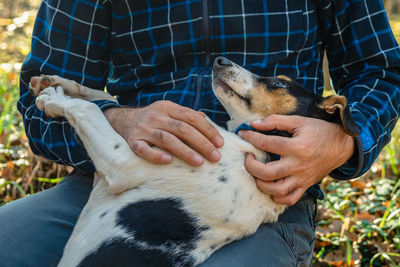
110, 153
71, 88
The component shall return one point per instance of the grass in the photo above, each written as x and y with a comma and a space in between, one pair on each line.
358, 222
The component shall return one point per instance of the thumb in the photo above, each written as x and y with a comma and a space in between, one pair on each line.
287, 123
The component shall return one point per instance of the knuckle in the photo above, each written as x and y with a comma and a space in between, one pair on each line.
138, 147
259, 183
281, 192
291, 201
264, 143
194, 117
187, 114
161, 104
181, 127
141, 127
152, 116
160, 136
274, 174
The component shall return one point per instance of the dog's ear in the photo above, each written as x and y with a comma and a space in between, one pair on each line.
336, 105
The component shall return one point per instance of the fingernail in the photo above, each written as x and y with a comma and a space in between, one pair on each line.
215, 155
219, 141
240, 133
256, 122
197, 160
166, 158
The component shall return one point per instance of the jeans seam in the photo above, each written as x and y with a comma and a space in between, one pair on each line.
288, 234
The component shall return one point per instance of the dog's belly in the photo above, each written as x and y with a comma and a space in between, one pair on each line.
179, 217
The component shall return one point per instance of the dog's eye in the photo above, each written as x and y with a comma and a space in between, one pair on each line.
280, 84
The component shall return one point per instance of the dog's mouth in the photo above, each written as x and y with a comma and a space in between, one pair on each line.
223, 89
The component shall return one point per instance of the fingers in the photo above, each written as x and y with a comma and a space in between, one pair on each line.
269, 172
279, 122
198, 121
278, 188
273, 144
145, 151
170, 143
275, 179
290, 199
181, 131
193, 138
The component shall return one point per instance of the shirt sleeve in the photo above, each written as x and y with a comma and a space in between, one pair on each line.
70, 39
364, 63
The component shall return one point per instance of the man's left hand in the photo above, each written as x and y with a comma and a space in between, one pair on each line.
315, 149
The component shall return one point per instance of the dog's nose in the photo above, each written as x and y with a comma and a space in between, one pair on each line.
221, 62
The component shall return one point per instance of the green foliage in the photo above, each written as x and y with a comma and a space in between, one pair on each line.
21, 173
362, 217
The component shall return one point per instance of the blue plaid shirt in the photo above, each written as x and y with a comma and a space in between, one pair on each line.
151, 50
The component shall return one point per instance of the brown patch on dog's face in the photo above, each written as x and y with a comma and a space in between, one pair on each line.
247, 96
266, 101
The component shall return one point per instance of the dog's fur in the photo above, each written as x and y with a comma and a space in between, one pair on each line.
142, 214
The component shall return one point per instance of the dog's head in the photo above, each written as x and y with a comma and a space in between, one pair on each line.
247, 97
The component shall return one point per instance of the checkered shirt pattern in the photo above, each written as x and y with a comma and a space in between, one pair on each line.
145, 51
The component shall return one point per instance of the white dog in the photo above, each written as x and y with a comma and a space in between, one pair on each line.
142, 214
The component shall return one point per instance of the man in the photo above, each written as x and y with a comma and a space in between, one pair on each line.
152, 51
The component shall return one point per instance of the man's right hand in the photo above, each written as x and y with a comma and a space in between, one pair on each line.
179, 130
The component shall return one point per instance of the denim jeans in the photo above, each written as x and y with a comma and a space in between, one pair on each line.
35, 229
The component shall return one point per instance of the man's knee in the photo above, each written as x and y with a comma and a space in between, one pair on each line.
38, 226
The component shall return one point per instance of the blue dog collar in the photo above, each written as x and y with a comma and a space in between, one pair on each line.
244, 126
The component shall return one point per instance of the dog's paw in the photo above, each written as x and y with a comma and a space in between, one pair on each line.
52, 101
38, 83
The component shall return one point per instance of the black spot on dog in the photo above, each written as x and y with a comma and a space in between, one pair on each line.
212, 247
121, 253
193, 170
103, 214
116, 146
223, 179
251, 196
160, 222
221, 164
225, 220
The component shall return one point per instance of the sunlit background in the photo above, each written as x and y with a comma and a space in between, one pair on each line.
359, 221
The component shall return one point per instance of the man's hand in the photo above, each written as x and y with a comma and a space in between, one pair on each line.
316, 148
169, 126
